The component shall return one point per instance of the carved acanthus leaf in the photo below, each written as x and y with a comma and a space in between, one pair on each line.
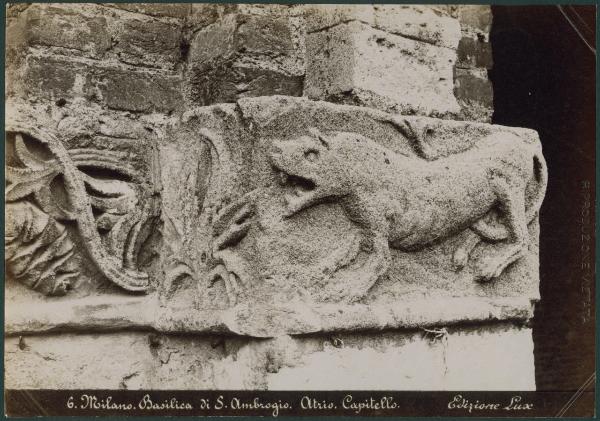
116, 201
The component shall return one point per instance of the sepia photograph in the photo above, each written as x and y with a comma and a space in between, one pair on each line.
239, 209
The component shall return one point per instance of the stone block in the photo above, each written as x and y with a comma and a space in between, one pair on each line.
475, 18
501, 356
414, 22
227, 81
374, 68
205, 14
474, 53
64, 26
99, 33
147, 42
174, 10
474, 85
248, 56
260, 247
53, 78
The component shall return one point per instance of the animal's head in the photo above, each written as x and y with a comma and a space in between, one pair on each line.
308, 169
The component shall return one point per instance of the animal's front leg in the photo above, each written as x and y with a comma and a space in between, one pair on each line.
461, 255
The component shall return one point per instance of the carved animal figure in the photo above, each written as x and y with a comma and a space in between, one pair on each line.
408, 202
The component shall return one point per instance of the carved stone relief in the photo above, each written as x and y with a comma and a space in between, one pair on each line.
283, 215
311, 203
95, 191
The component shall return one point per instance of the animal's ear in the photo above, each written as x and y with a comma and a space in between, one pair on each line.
316, 133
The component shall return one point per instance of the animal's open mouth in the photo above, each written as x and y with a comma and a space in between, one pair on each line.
293, 183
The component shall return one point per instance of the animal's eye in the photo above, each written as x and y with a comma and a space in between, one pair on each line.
311, 155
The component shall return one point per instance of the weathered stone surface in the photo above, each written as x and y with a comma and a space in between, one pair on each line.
204, 14
102, 189
175, 10
261, 258
312, 236
375, 68
414, 22
53, 78
427, 360
93, 31
473, 89
474, 53
477, 18
67, 27
474, 93
110, 313
381, 361
147, 43
238, 240
249, 56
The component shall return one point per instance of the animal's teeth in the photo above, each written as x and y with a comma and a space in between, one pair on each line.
283, 178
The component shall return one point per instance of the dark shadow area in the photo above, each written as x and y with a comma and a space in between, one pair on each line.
544, 79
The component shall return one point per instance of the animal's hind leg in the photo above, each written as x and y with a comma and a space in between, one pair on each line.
463, 251
512, 203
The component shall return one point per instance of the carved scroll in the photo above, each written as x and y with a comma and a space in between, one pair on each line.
31, 177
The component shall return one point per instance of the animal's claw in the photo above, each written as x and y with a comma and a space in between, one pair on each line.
460, 259
232, 235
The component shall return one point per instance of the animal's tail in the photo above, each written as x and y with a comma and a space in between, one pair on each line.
540, 172
491, 225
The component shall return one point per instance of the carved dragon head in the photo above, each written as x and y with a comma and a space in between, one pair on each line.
306, 168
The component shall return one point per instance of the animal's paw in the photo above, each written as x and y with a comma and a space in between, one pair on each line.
235, 285
490, 269
460, 259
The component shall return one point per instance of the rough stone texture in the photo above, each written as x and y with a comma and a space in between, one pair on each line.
348, 361
139, 162
99, 179
98, 32
437, 55
250, 55
287, 278
472, 87
380, 69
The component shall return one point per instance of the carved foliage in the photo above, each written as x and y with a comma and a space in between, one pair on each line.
94, 189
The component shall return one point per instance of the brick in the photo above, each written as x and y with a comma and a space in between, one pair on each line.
204, 14
149, 43
477, 17
244, 34
398, 73
96, 32
53, 78
230, 80
246, 55
65, 27
474, 53
473, 86
140, 91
